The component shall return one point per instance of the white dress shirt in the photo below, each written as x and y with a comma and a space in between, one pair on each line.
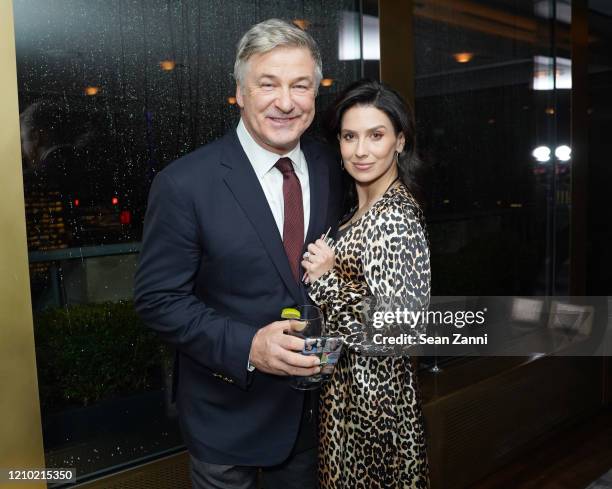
270, 177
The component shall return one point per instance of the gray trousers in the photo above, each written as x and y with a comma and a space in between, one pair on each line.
297, 472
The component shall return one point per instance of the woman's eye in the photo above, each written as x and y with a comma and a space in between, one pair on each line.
347, 137
377, 135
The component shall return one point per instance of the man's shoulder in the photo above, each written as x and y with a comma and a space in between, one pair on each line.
326, 157
316, 146
205, 159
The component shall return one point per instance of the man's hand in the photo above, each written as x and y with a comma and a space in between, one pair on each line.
274, 352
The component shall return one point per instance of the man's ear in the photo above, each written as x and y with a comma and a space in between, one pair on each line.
239, 100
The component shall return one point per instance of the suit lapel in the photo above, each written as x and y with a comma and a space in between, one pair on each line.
318, 174
244, 185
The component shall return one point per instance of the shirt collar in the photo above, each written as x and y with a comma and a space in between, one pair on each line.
263, 160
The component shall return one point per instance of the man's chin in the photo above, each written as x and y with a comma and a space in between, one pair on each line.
285, 143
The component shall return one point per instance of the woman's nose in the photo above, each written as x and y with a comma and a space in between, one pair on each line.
361, 150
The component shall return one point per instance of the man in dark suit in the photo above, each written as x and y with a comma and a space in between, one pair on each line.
224, 234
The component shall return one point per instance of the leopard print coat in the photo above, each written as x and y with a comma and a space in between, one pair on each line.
371, 427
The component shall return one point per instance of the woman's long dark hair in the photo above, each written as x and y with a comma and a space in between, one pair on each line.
368, 93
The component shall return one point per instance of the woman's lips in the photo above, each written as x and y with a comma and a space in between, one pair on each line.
362, 166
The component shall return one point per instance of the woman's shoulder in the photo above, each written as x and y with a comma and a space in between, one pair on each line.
398, 205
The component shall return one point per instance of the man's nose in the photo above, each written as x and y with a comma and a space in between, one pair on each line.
284, 102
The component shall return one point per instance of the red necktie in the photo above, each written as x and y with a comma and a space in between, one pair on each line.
293, 226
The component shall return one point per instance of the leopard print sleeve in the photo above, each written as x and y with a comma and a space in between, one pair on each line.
339, 298
383, 261
397, 268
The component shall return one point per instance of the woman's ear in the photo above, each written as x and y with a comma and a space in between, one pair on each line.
401, 141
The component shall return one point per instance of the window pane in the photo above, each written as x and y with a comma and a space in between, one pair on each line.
109, 94
599, 116
494, 126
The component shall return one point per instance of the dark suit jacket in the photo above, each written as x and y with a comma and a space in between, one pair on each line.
212, 271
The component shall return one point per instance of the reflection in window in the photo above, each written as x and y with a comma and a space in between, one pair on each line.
545, 66
109, 94
491, 113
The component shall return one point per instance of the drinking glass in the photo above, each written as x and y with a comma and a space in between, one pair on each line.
312, 331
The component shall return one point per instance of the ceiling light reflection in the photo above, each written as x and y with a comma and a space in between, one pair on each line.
301, 23
563, 153
463, 57
541, 154
167, 64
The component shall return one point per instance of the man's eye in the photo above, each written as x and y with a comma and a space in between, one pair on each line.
266, 85
301, 87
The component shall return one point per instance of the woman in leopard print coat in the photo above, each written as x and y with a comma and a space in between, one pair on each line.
371, 427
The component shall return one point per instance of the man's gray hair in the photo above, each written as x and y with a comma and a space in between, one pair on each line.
271, 34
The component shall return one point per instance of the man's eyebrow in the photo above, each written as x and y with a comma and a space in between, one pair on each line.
274, 77
303, 78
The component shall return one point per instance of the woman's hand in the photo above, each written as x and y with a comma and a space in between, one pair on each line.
319, 259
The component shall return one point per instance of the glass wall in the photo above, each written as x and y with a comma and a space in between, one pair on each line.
493, 85
599, 122
112, 92
109, 94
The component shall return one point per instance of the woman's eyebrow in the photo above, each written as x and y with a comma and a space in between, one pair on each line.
381, 126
